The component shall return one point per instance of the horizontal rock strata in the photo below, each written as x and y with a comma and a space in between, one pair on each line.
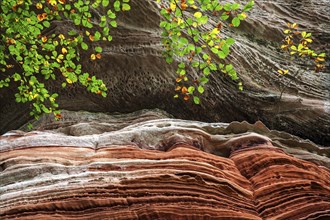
158, 169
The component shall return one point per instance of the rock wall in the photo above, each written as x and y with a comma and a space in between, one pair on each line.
138, 77
146, 165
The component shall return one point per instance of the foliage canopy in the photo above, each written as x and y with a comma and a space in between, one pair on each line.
32, 53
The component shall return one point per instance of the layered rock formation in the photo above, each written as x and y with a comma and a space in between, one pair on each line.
148, 166
138, 77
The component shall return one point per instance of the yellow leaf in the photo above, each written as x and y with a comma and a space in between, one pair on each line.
280, 71
198, 14
87, 33
194, 7
180, 21
61, 36
93, 57
64, 50
53, 2
69, 80
215, 31
39, 6
173, 6
294, 25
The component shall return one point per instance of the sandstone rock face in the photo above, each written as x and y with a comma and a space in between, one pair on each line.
138, 77
148, 166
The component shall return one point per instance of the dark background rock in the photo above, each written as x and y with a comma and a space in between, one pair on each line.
138, 77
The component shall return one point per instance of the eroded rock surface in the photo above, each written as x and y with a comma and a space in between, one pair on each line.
146, 165
139, 78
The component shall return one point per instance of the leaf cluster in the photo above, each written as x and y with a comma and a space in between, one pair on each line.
297, 44
187, 37
31, 53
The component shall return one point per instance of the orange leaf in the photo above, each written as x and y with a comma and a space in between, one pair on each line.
40, 17
44, 39
184, 90
177, 88
183, 6
186, 98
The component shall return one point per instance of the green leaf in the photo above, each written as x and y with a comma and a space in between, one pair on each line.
169, 59
105, 3
222, 55
98, 49
196, 100
248, 6
236, 22
184, 40
191, 89
206, 71
227, 7
126, 7
235, 6
214, 50
229, 67
97, 36
113, 23
224, 16
45, 109
84, 46
200, 89
116, 5
204, 80
46, 24
182, 72
72, 32
111, 15
203, 20
230, 41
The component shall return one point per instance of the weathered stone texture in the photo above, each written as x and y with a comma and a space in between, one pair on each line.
160, 169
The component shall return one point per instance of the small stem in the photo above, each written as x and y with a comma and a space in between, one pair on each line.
286, 85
